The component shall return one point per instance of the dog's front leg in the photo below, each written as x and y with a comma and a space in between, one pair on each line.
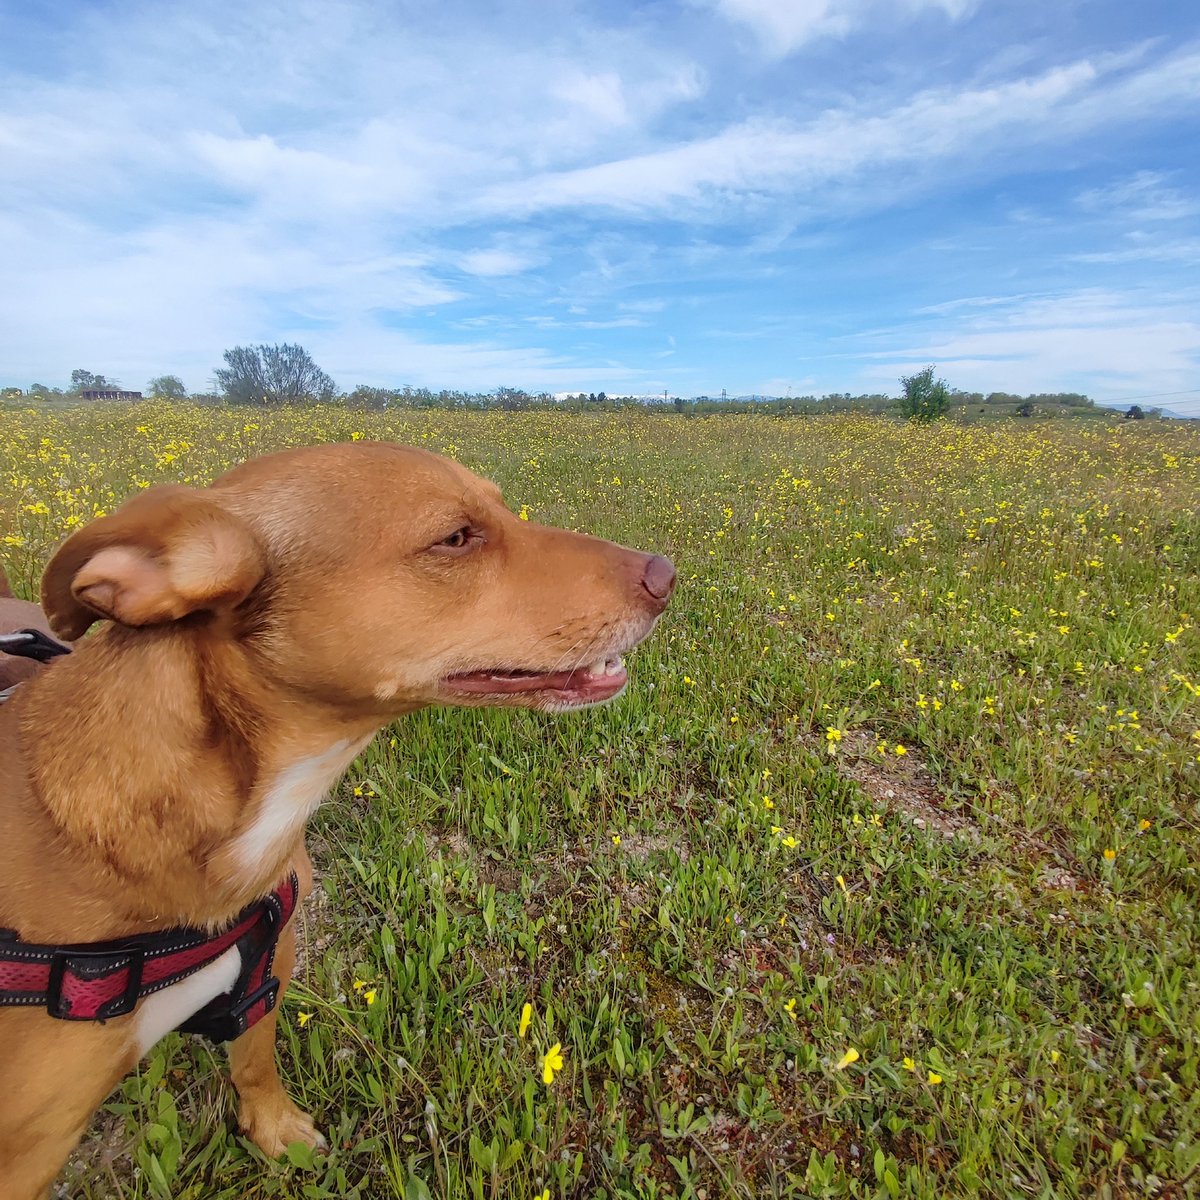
266, 1114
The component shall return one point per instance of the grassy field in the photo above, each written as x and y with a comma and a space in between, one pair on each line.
881, 880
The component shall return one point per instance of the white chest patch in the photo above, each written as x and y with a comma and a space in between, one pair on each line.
293, 797
157, 1015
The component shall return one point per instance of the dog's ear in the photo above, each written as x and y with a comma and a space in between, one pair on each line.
165, 553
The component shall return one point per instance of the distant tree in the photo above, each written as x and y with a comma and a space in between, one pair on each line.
511, 399
11, 393
1135, 413
39, 391
84, 380
601, 398
371, 397
925, 398
281, 374
166, 387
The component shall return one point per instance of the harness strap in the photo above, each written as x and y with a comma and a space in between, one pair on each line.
32, 643
100, 980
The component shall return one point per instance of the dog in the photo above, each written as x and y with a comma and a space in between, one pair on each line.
256, 634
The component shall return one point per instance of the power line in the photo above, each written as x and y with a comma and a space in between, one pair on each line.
1152, 396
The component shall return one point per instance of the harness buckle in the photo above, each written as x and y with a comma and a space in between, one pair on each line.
222, 1021
268, 992
90, 968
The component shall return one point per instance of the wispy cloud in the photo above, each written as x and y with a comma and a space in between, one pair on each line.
782, 26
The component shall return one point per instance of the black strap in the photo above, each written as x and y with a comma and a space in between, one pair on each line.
32, 643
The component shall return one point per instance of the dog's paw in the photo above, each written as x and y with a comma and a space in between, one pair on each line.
272, 1129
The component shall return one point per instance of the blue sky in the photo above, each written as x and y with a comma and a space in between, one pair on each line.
756, 195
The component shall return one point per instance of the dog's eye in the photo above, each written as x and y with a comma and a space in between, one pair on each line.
460, 540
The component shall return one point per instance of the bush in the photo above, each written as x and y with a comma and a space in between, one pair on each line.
925, 398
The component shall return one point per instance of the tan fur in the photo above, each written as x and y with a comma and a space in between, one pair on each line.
259, 632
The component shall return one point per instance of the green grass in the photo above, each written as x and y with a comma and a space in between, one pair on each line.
714, 889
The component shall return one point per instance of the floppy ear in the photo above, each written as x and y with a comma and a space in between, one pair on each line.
165, 553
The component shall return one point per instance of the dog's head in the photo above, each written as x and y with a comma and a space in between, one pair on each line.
371, 576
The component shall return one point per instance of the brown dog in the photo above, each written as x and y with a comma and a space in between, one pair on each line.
258, 633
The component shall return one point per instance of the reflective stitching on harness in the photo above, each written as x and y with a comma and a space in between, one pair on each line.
107, 979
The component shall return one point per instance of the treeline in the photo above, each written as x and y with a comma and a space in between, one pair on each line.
512, 399
269, 376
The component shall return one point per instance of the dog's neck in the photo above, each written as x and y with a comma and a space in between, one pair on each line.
173, 773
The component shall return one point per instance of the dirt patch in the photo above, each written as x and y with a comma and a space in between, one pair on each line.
640, 846
902, 784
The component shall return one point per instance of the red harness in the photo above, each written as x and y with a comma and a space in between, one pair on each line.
106, 979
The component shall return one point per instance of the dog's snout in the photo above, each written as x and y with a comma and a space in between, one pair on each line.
658, 578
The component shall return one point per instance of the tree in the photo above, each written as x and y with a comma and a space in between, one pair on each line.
281, 374
84, 380
166, 387
1135, 413
925, 398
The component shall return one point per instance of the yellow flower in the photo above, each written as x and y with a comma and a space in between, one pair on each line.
1109, 855
909, 1065
303, 1018
359, 984
616, 837
842, 884
898, 749
790, 842
790, 1008
552, 1062
851, 1056
526, 1017
369, 996
1143, 824
934, 1078
768, 803
543, 1195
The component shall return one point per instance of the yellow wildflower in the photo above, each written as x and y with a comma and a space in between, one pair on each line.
552, 1063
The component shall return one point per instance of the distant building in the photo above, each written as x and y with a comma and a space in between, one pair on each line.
109, 394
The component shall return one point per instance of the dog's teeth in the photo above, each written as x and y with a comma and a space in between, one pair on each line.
597, 668
614, 666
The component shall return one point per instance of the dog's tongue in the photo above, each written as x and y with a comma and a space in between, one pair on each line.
600, 674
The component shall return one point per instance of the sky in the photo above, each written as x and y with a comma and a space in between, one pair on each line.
762, 196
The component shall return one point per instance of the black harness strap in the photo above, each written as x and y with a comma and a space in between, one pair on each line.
32, 643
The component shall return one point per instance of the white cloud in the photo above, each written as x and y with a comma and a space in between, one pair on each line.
600, 95
785, 25
495, 262
1145, 196
760, 156
1104, 342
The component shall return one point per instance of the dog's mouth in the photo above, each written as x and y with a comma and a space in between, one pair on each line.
592, 684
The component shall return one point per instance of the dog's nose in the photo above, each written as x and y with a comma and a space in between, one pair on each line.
658, 578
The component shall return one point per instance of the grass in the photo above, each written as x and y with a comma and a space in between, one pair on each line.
880, 881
